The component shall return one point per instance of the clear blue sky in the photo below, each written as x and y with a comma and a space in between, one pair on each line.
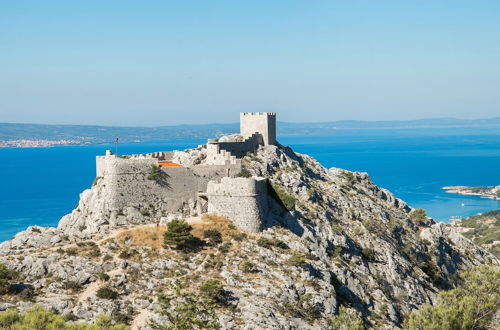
171, 62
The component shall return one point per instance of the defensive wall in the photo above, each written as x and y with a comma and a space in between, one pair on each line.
242, 200
172, 190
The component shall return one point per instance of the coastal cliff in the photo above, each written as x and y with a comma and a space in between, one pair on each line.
333, 238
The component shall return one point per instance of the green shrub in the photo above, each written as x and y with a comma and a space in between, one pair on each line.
154, 172
346, 319
186, 310
127, 254
6, 276
213, 236
145, 212
239, 237
72, 285
72, 251
298, 260
214, 290
224, 247
471, 306
39, 318
304, 308
368, 253
419, 216
178, 234
269, 243
350, 178
106, 293
248, 267
286, 199
244, 173
104, 277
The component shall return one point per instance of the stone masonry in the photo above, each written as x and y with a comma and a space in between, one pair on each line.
242, 200
205, 182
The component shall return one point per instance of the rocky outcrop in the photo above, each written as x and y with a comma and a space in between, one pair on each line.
332, 237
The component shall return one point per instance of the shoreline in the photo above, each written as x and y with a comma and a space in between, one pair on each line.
489, 192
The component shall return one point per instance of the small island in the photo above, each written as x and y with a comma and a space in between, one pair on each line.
492, 192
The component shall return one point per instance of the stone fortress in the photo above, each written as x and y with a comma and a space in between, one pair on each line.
195, 181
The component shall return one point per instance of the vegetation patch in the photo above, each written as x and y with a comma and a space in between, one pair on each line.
154, 172
186, 309
287, 200
106, 293
269, 243
39, 318
471, 306
485, 230
244, 173
6, 277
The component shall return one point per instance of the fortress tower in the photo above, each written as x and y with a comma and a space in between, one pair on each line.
259, 123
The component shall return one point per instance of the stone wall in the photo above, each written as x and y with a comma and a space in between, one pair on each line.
242, 200
262, 123
173, 190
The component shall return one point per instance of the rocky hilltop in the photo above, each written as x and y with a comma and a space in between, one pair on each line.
333, 238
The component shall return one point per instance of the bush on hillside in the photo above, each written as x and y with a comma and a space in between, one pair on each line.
286, 199
106, 293
244, 173
154, 172
419, 216
470, 306
179, 235
39, 318
213, 236
347, 319
6, 276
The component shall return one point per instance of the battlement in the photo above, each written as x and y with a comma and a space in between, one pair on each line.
269, 114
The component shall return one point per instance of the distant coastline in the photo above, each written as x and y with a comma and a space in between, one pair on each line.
37, 143
14, 135
492, 192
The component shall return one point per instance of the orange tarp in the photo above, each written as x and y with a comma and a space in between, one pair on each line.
168, 164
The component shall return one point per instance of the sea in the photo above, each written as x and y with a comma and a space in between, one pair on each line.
40, 185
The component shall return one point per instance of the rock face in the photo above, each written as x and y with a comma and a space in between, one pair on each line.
332, 238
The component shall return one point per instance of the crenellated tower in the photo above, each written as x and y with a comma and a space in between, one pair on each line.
259, 123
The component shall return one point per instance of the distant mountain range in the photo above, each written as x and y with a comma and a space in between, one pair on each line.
89, 134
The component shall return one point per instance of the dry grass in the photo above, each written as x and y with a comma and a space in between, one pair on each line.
151, 236
225, 226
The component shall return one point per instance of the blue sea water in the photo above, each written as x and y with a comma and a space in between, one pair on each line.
40, 185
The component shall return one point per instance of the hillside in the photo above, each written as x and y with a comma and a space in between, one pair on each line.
333, 239
484, 230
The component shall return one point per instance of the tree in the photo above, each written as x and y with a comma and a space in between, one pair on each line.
471, 306
186, 310
6, 275
419, 216
178, 234
346, 319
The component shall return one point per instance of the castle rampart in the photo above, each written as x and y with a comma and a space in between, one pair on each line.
242, 200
